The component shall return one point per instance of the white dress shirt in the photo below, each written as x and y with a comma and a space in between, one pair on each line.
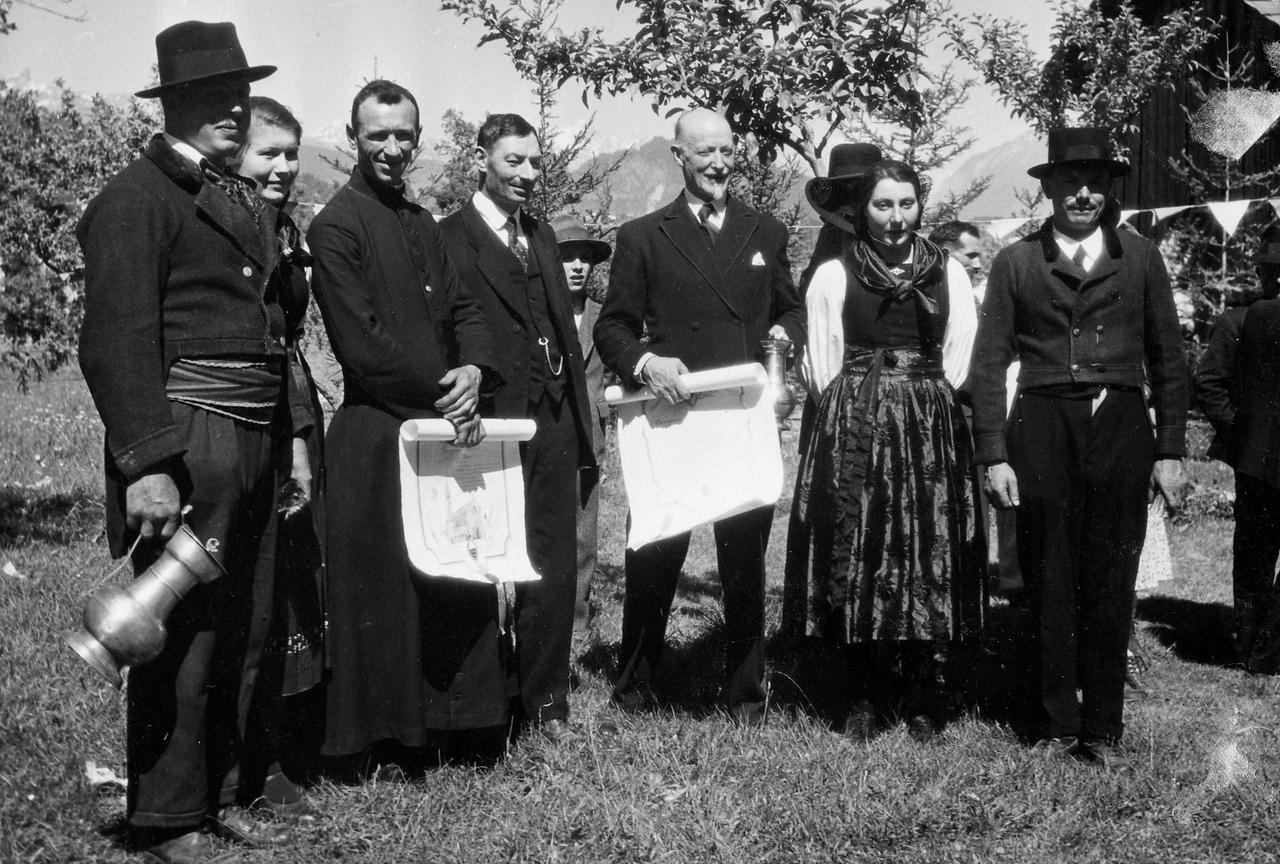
185, 150
1092, 246
824, 302
496, 218
695, 205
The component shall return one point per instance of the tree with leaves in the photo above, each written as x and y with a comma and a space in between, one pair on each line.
923, 135
785, 74
53, 159
1103, 67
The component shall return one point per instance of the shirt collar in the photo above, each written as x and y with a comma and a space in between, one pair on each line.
1092, 244
695, 204
185, 150
493, 215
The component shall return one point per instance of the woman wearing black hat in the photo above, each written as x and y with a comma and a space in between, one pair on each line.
884, 486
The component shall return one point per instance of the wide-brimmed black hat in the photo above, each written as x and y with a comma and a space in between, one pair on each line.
847, 163
571, 232
1082, 144
198, 51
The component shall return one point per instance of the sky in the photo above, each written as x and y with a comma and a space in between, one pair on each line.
325, 50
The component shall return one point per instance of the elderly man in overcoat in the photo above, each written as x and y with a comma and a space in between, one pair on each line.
508, 257
705, 279
183, 349
412, 342
1089, 313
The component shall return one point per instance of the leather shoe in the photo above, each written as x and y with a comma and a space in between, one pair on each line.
1106, 753
1061, 747
299, 811
1134, 686
861, 724
921, 729
239, 825
194, 847
556, 731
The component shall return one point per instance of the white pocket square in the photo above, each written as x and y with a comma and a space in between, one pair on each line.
758, 260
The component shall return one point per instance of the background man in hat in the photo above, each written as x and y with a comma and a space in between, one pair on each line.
183, 349
412, 342
579, 255
508, 257
706, 278
1084, 308
1236, 383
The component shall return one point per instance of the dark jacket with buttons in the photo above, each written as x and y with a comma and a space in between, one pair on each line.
493, 274
1249, 439
173, 268
710, 308
1068, 327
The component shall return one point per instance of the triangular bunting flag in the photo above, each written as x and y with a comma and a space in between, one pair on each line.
1275, 204
1229, 213
1002, 228
1163, 213
1126, 215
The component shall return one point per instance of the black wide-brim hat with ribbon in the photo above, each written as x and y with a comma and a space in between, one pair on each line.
1088, 144
570, 232
847, 164
199, 52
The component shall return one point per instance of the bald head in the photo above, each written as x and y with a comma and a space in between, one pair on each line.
704, 152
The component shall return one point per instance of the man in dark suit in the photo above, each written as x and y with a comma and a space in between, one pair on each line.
580, 253
508, 259
1085, 308
1236, 384
412, 343
183, 349
705, 278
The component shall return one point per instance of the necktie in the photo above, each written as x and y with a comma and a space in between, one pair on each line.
704, 219
513, 243
1080, 258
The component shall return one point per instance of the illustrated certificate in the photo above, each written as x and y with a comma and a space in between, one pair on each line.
463, 507
689, 464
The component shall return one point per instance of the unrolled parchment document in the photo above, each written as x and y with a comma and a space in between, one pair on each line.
688, 464
463, 507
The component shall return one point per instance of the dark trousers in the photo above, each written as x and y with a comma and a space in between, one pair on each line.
588, 526
200, 715
544, 609
1082, 481
653, 572
1255, 547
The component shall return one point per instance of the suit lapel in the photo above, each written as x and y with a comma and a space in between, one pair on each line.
687, 236
231, 220
739, 225
491, 260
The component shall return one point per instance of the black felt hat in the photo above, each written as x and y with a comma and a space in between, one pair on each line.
1082, 144
848, 162
196, 51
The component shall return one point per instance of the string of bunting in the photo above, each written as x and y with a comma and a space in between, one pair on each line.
1228, 215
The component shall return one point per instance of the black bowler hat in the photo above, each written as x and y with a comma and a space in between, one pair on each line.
848, 162
1083, 144
195, 51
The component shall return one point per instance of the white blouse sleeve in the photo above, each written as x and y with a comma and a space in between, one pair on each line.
962, 324
824, 350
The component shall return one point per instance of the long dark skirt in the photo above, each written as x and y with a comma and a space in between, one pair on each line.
885, 496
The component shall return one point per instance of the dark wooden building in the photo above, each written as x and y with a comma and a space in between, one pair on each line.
1165, 132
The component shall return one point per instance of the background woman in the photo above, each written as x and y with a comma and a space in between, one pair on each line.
884, 485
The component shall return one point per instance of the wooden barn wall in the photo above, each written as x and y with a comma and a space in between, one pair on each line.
1164, 131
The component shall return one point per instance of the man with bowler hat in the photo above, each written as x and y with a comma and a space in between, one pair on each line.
580, 253
697, 284
1086, 309
1236, 383
183, 349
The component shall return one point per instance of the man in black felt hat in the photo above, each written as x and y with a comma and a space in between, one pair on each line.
1236, 383
183, 349
1084, 308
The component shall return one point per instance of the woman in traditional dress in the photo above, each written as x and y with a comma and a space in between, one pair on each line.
269, 158
885, 490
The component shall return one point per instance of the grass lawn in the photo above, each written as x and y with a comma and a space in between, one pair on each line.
680, 785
